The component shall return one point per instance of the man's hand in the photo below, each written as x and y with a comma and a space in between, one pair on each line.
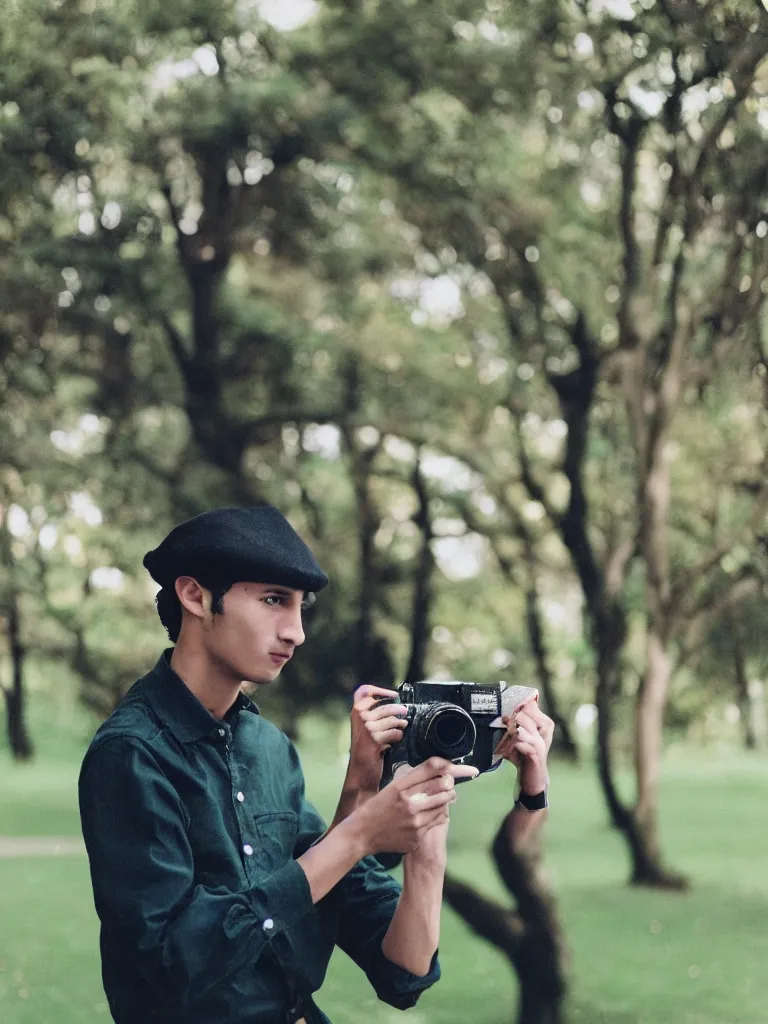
526, 744
374, 730
398, 818
432, 851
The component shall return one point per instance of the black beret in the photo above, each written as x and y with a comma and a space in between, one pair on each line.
236, 545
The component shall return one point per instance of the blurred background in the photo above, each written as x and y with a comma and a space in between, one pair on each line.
474, 291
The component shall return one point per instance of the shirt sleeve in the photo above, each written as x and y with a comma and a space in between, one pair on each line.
367, 900
312, 827
187, 937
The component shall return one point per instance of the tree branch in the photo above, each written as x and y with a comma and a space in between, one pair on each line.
532, 485
682, 589
697, 627
492, 922
631, 135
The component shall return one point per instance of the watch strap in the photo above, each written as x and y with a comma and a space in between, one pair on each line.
533, 803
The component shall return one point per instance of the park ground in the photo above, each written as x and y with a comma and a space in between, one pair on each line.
636, 957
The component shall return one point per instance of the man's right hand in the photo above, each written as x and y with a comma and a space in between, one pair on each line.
395, 820
398, 818
375, 727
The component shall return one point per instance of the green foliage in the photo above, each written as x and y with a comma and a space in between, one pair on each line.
220, 239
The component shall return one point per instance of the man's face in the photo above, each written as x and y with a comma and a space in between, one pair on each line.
258, 631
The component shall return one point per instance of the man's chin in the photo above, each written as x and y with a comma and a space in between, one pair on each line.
264, 676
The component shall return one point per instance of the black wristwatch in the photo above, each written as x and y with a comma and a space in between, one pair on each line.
533, 803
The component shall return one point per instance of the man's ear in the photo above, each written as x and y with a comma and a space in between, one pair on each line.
194, 598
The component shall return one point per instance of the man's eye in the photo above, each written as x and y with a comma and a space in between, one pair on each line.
273, 599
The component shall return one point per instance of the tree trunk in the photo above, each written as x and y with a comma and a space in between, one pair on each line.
530, 936
651, 699
758, 717
563, 742
743, 697
422, 591
541, 952
367, 526
646, 867
607, 618
15, 702
372, 661
652, 436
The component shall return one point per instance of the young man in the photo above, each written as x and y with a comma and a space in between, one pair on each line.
221, 892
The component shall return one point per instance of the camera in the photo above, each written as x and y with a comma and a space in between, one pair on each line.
459, 721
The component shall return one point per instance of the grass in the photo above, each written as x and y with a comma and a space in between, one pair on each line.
637, 957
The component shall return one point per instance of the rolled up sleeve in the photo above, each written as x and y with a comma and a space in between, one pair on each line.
368, 897
188, 938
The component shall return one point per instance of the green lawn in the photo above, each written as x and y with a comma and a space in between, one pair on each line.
637, 957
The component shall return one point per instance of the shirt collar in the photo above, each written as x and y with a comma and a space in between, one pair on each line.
180, 709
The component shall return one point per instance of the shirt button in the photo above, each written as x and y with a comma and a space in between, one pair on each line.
241, 797
248, 850
222, 732
269, 925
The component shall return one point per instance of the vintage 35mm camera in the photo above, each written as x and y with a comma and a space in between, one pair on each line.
455, 720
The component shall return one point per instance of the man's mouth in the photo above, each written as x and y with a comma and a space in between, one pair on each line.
279, 658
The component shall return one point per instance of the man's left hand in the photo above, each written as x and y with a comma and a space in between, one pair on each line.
526, 744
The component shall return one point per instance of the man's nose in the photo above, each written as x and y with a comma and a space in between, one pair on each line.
292, 629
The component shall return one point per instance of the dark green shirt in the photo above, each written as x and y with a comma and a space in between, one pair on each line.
193, 826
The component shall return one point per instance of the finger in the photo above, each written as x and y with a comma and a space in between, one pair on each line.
367, 694
436, 766
385, 722
511, 722
510, 755
424, 822
504, 747
532, 743
509, 737
534, 711
423, 802
525, 720
370, 690
385, 711
388, 736
429, 769
528, 731
442, 784
547, 730
542, 722
440, 817
528, 749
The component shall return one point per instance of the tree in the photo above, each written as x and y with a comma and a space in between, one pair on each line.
249, 226
15, 699
667, 192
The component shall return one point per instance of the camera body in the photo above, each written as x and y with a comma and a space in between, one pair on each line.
460, 721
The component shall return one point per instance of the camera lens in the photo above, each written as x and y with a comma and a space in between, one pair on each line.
444, 730
450, 729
